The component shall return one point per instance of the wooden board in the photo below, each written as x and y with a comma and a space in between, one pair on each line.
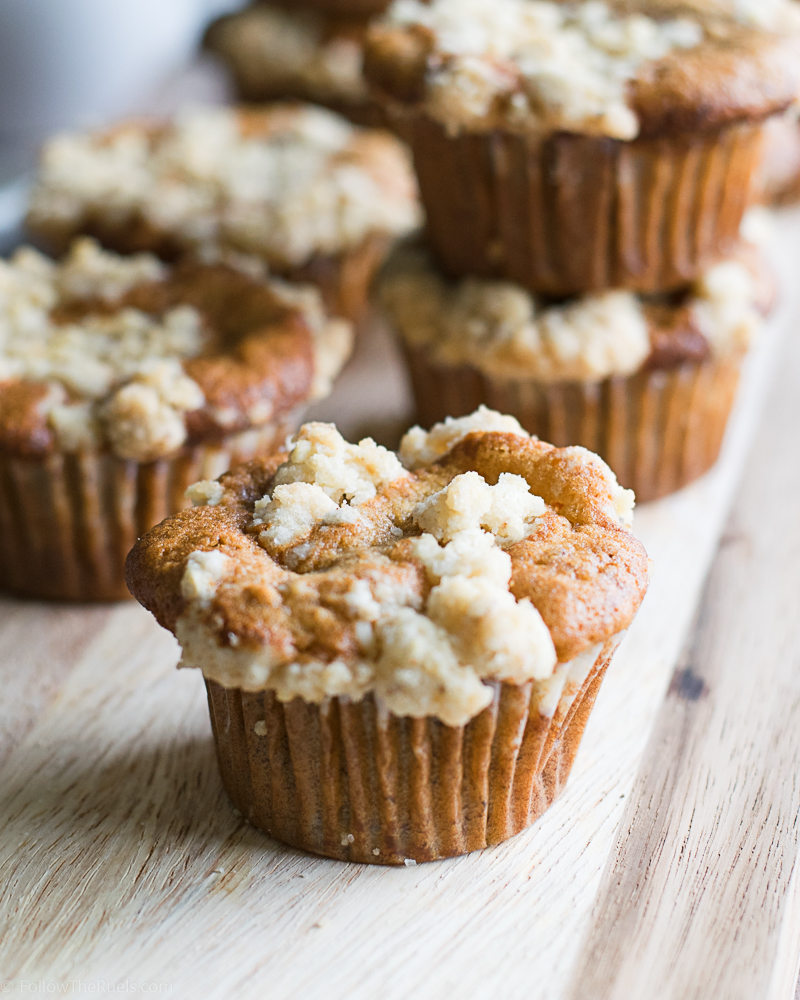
665, 870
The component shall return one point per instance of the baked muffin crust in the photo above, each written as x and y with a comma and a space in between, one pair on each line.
337, 570
628, 69
506, 332
100, 351
288, 183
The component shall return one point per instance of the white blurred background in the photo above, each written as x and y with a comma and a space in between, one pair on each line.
67, 63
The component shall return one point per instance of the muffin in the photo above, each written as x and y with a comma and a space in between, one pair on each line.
276, 53
647, 382
122, 381
576, 147
400, 654
316, 198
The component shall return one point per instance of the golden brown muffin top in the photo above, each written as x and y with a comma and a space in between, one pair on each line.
339, 570
287, 183
624, 69
127, 353
510, 334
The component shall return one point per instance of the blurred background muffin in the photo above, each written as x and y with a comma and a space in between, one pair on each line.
315, 197
277, 52
122, 381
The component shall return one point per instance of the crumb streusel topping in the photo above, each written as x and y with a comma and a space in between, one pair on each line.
542, 66
416, 580
113, 373
284, 184
501, 329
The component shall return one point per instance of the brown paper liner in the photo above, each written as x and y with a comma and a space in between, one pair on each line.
658, 430
67, 522
569, 214
352, 781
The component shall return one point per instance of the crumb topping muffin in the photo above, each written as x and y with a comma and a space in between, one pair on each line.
287, 183
505, 332
276, 52
103, 352
624, 69
478, 555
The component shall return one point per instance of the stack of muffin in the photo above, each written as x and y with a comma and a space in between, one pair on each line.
401, 651
585, 169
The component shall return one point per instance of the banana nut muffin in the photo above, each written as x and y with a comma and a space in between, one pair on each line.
400, 653
572, 147
122, 381
645, 381
317, 198
275, 53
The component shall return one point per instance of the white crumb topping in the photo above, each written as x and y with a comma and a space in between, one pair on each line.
422, 649
324, 481
355, 472
75, 426
418, 672
276, 50
507, 510
305, 188
292, 512
206, 493
420, 447
501, 637
498, 327
725, 308
203, 573
121, 367
90, 272
471, 552
145, 418
538, 65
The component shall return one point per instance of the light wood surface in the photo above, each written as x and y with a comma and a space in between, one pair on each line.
665, 870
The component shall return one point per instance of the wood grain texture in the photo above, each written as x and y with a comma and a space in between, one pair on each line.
701, 878
122, 860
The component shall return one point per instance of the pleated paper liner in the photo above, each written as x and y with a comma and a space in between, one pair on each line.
570, 214
67, 522
658, 430
353, 782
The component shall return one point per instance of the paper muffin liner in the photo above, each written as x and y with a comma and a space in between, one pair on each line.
658, 430
67, 522
351, 781
569, 214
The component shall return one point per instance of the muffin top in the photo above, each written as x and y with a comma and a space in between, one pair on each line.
287, 183
479, 554
619, 69
127, 353
276, 51
504, 331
